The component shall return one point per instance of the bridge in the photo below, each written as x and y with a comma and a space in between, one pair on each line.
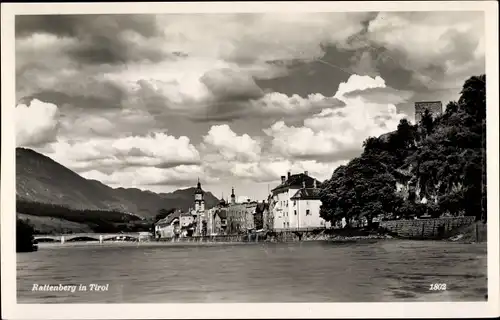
101, 237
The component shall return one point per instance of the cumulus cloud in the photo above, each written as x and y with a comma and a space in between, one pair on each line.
36, 124
158, 150
120, 80
106, 123
184, 175
164, 64
334, 131
276, 103
439, 48
381, 95
268, 169
222, 140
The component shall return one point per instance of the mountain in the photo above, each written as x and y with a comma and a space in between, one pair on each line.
148, 202
41, 179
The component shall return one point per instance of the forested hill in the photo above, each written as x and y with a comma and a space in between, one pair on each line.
39, 179
436, 167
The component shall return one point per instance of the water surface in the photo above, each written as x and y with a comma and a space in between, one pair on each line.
281, 272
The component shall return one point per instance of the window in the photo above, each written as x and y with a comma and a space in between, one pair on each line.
295, 212
294, 203
308, 212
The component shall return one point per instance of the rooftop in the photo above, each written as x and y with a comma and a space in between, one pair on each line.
168, 220
306, 194
221, 213
296, 180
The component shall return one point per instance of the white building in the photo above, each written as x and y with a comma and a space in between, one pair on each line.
295, 203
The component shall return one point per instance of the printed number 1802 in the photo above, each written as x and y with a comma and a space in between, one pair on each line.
438, 287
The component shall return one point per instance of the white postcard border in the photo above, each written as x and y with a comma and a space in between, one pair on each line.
12, 310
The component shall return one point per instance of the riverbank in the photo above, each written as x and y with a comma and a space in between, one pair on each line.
473, 233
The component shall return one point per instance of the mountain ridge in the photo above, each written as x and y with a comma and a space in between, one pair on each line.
41, 179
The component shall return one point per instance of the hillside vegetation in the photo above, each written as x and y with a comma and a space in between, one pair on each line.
45, 188
51, 225
435, 167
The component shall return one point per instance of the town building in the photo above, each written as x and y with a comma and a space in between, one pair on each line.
220, 221
295, 203
186, 224
240, 217
217, 218
169, 226
306, 206
261, 216
195, 222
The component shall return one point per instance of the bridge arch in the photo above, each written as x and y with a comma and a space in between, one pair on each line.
88, 237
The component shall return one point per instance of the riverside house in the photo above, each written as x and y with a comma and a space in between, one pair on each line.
217, 221
220, 221
177, 223
295, 204
240, 217
168, 226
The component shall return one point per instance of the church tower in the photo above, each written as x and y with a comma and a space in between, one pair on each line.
199, 201
233, 197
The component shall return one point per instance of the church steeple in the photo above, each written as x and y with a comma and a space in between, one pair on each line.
233, 197
199, 201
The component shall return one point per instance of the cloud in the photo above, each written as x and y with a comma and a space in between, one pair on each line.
119, 81
270, 170
36, 124
441, 49
164, 64
279, 104
158, 150
381, 95
184, 175
332, 132
231, 85
107, 124
107, 39
222, 140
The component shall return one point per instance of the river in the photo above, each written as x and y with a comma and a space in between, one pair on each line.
390, 270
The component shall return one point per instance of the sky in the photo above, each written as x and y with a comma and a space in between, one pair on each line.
237, 100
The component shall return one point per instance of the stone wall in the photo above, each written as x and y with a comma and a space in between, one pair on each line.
426, 228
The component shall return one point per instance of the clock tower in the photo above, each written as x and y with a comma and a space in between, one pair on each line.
199, 201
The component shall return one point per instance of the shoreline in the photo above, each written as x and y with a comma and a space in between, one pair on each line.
184, 243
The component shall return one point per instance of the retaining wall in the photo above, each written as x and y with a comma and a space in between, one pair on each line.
426, 228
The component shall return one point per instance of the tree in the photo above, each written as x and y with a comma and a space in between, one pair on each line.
24, 236
427, 122
362, 188
443, 159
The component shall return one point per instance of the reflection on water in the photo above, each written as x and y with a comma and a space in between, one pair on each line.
285, 272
